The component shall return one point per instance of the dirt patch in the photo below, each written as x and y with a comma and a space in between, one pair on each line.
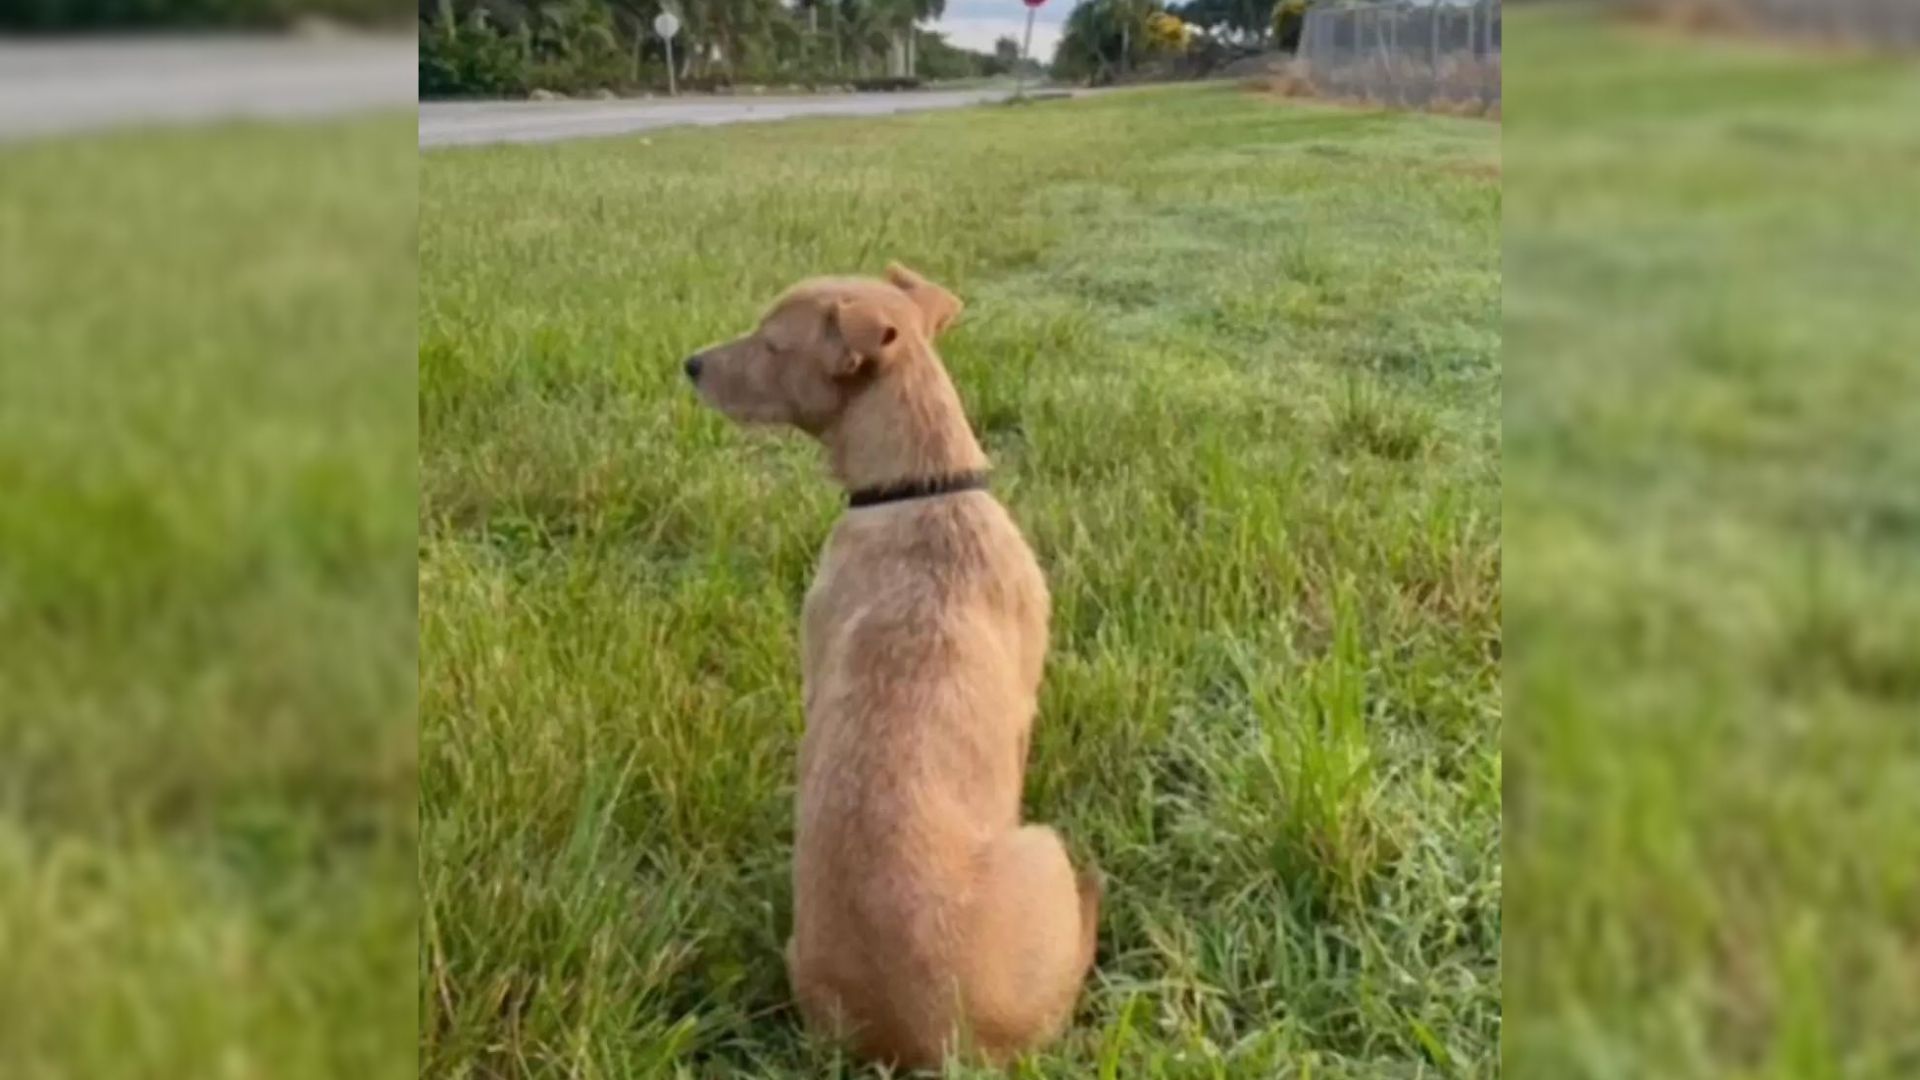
1291, 80
1284, 82
1264, 64
1478, 170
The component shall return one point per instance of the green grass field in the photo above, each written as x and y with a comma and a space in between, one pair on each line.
207, 605
1712, 393
1236, 362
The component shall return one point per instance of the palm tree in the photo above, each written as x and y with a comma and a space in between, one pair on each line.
903, 18
638, 15
696, 34
734, 26
875, 30
924, 11
1129, 14
897, 16
860, 26
810, 48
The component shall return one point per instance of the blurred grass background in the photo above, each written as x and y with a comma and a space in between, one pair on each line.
207, 628
1712, 507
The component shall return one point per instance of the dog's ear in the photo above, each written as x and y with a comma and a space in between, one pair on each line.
938, 307
868, 331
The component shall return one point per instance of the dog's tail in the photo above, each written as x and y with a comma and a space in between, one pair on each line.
1092, 887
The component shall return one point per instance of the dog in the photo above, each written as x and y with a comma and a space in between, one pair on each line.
929, 923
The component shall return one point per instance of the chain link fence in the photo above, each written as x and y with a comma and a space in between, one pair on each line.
1405, 53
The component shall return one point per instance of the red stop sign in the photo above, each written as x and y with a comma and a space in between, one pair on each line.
1033, 3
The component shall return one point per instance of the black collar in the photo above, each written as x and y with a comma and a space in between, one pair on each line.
916, 489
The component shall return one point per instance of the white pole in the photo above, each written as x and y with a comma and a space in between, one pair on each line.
1020, 69
672, 90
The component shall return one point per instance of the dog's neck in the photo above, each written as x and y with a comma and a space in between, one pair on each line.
905, 426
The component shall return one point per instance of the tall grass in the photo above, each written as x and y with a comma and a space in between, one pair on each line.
1235, 364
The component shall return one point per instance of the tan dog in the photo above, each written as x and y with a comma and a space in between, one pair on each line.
928, 921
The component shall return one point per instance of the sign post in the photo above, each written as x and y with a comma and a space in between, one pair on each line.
666, 26
1020, 69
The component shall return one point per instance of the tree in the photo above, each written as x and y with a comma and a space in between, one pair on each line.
1086, 41
859, 29
638, 16
1131, 17
496, 47
460, 53
1167, 34
1102, 38
1289, 19
901, 18
862, 28
925, 11
939, 60
1247, 20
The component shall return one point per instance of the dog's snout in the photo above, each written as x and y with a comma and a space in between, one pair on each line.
693, 365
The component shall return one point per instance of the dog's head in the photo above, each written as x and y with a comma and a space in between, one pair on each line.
822, 341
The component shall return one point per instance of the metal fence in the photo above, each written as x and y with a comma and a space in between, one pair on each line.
1413, 54
1893, 24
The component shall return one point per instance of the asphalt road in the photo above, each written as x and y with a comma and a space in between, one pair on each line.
52, 86
455, 123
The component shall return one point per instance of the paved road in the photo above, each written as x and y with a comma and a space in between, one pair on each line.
51, 86
452, 123
74, 85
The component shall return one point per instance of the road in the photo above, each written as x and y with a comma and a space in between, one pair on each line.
455, 123
60, 85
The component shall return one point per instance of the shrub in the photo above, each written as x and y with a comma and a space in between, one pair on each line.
474, 60
1167, 34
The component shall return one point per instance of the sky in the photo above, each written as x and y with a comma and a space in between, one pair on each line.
974, 24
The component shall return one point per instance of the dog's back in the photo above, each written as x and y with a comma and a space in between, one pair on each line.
927, 921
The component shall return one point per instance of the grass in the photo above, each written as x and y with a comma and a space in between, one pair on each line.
1235, 360
1711, 515
207, 681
